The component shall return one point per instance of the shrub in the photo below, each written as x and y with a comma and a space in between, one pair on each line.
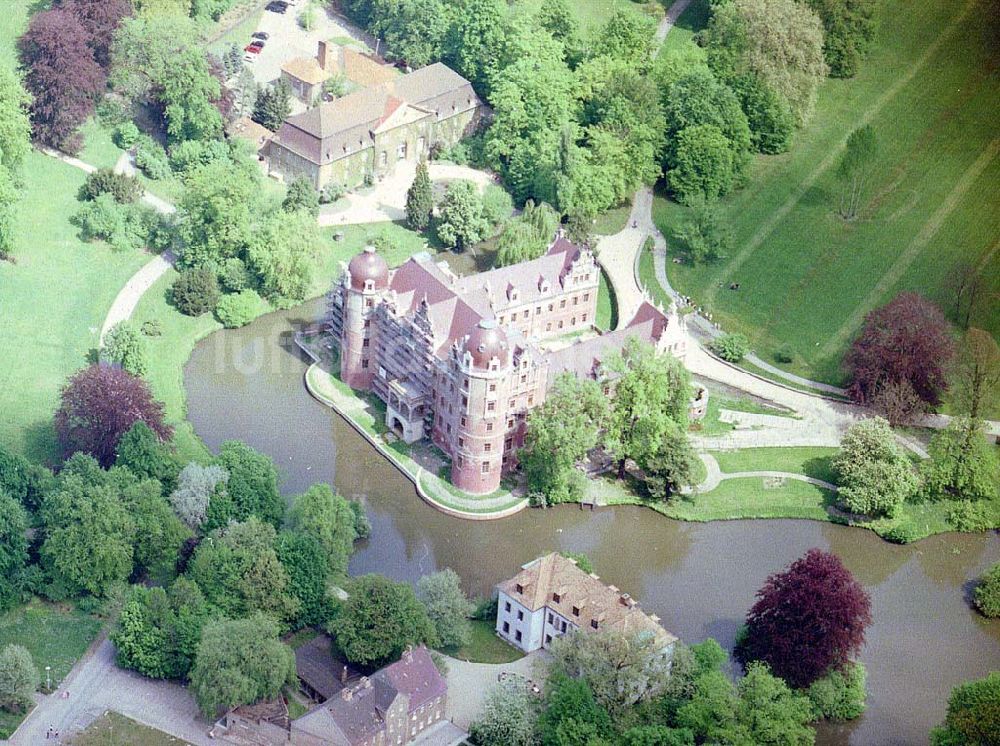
973, 714
152, 158
784, 354
303, 196
987, 593
124, 189
124, 227
979, 515
235, 276
124, 346
18, 678
111, 112
874, 474
152, 328
840, 695
126, 135
195, 291
238, 309
497, 204
730, 347
331, 193
192, 153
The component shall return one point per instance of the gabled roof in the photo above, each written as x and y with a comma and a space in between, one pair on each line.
416, 676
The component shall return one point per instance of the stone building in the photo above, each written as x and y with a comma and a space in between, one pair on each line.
306, 75
394, 706
460, 360
551, 596
364, 134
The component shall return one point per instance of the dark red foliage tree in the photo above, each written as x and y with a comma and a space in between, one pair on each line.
906, 340
99, 405
807, 620
62, 76
100, 18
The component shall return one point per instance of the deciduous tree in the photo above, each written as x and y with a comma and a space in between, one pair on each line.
100, 19
327, 517
986, 596
855, 170
973, 714
807, 620
905, 340
770, 712
703, 166
976, 376
874, 474
239, 662
196, 485
125, 346
962, 463
145, 455
460, 221
305, 562
98, 406
507, 717
282, 252
849, 27
13, 549
18, 678
15, 144
447, 606
528, 235
378, 621
570, 707
705, 234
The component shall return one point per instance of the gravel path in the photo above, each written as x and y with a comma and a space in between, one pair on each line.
714, 476
469, 683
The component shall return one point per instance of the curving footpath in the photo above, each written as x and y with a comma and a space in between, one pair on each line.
714, 476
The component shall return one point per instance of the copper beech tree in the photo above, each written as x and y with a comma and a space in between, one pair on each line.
808, 620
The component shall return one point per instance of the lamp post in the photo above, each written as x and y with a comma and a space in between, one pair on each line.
48, 678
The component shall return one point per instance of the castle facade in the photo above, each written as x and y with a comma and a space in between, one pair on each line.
462, 360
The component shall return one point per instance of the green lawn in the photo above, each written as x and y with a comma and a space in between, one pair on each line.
15, 21
113, 729
752, 497
484, 646
692, 20
55, 636
606, 316
810, 461
53, 304
612, 221
929, 89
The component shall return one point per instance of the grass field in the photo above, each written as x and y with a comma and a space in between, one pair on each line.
179, 333
484, 646
53, 303
693, 19
606, 316
929, 89
812, 462
113, 729
55, 636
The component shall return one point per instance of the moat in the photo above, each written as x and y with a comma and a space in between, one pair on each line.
699, 578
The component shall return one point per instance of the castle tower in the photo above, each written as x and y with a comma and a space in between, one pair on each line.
484, 379
366, 279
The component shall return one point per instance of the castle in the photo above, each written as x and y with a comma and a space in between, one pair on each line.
462, 360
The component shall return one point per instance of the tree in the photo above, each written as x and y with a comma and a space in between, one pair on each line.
669, 465
159, 59
305, 562
327, 517
769, 116
238, 309
560, 432
18, 678
807, 620
528, 235
98, 406
461, 222
195, 291
239, 662
273, 106
302, 196
126, 347
145, 455
15, 144
703, 166
770, 712
414, 30
239, 572
976, 375
651, 396
897, 402
621, 670
779, 41
962, 463
732, 347
125, 189
849, 27
282, 252
855, 170
447, 606
873, 472
475, 40
507, 717
89, 534
158, 631
986, 596
378, 621
706, 236
13, 549
159, 533
419, 199
22, 480
570, 708
906, 340
100, 19
62, 76
627, 36
252, 487
840, 695
196, 486
973, 714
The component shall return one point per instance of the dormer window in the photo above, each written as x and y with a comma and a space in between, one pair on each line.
594, 623
519, 587
556, 597
576, 611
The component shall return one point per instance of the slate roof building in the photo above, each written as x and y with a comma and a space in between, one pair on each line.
551, 596
364, 134
462, 360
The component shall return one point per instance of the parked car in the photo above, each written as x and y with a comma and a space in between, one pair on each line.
252, 49
258, 43
279, 6
262, 35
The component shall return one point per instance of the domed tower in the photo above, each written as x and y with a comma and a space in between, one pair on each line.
366, 279
484, 377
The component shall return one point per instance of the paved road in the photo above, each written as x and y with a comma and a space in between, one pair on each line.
96, 685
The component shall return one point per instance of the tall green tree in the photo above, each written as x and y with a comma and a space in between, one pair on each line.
706, 235
962, 463
528, 235
239, 662
145, 455
18, 678
973, 717
570, 708
327, 517
419, 199
507, 717
302, 196
282, 252
474, 42
460, 221
874, 474
15, 144
379, 619
251, 488
627, 36
855, 170
447, 606
976, 374
13, 549
770, 712
126, 346
849, 27
305, 562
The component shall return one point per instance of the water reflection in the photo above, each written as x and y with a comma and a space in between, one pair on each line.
699, 578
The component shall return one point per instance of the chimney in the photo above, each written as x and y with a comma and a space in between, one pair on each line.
343, 675
366, 683
408, 654
347, 694
322, 55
